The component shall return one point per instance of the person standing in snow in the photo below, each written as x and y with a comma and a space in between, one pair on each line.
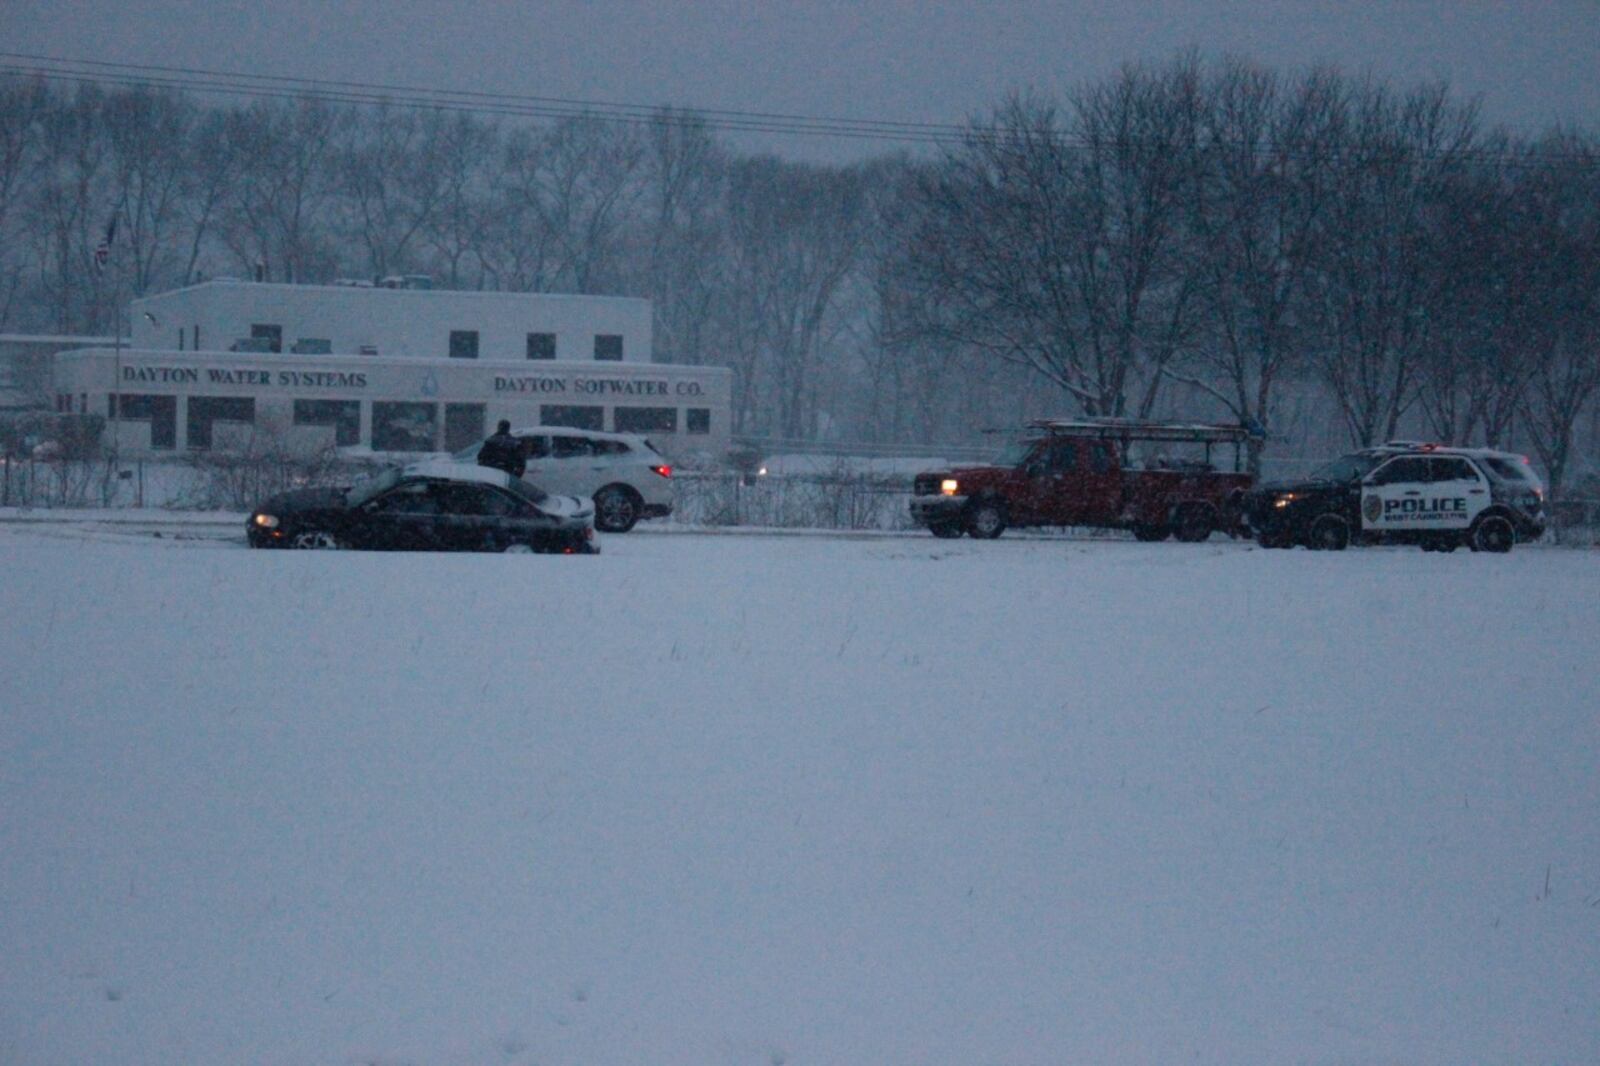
503, 451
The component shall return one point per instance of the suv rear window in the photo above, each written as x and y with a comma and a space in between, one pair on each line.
571, 447
1505, 468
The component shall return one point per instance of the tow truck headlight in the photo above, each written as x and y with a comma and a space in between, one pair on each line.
1285, 500
266, 521
948, 486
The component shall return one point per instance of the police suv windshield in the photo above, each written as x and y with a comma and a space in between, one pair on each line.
1346, 468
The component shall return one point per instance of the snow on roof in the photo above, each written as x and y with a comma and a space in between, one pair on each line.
441, 468
1140, 429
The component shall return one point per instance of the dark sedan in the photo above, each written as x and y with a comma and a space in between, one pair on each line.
429, 507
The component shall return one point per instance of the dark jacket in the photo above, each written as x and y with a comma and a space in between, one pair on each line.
503, 452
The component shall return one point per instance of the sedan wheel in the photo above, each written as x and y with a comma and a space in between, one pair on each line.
316, 539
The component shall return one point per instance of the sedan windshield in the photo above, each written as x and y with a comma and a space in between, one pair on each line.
527, 490
362, 491
1346, 468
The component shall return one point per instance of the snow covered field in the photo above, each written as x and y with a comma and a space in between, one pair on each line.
787, 800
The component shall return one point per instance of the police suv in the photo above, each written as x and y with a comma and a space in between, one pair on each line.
1426, 494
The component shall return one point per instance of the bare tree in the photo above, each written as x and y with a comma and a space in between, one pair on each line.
1262, 194
393, 180
1567, 378
278, 216
577, 182
1062, 246
796, 232
1378, 279
23, 108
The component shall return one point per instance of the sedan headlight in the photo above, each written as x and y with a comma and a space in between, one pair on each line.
266, 521
948, 486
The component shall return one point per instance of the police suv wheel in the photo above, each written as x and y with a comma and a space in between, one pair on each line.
987, 520
1493, 534
1328, 533
312, 539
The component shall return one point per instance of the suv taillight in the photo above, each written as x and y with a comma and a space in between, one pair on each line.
663, 469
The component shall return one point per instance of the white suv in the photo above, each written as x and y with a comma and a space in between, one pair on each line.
623, 473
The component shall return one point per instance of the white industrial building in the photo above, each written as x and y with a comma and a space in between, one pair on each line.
390, 369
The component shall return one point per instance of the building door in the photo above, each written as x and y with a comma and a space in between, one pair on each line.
463, 425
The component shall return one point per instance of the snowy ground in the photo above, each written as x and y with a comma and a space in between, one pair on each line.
788, 800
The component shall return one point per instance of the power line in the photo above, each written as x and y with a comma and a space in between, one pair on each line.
510, 105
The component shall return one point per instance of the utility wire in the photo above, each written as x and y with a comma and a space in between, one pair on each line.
281, 87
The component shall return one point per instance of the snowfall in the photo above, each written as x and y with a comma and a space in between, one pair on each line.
779, 800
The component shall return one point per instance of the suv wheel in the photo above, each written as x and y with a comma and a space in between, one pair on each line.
987, 519
1493, 534
616, 509
1328, 533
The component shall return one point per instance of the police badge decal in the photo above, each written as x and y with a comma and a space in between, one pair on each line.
1372, 508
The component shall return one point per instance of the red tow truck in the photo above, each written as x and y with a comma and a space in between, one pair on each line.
1157, 479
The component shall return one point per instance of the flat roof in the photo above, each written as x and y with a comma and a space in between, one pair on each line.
230, 284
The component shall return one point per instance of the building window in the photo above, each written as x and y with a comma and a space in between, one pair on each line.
576, 417
608, 347
160, 411
273, 335
463, 344
343, 415
698, 419
404, 427
463, 425
645, 419
206, 411
541, 346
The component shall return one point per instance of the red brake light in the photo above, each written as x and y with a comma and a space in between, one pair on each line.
663, 469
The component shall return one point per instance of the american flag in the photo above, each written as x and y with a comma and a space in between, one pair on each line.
102, 251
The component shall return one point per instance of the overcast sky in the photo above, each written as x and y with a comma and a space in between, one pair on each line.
1532, 64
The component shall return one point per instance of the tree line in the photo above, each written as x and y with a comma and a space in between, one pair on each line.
1205, 239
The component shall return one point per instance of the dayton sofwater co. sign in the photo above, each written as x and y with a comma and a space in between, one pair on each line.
248, 376
592, 386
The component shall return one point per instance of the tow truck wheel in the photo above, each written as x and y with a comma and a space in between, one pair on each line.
987, 520
1493, 534
1194, 525
1328, 533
